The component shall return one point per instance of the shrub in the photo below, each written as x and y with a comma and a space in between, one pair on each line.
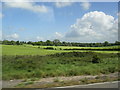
51, 48
95, 59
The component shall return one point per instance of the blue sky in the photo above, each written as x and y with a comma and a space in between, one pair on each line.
65, 21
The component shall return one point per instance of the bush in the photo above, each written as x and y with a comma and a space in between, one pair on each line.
95, 59
51, 48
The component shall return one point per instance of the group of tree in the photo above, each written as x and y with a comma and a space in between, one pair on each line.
57, 42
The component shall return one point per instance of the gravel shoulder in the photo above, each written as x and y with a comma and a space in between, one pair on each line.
53, 80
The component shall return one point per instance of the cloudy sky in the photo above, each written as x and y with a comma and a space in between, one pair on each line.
66, 21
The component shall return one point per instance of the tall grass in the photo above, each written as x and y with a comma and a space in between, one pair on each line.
59, 64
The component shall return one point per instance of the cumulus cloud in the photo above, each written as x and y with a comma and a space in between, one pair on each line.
58, 35
85, 5
63, 4
12, 36
31, 6
94, 26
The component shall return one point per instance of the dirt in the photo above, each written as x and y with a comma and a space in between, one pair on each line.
10, 83
13, 83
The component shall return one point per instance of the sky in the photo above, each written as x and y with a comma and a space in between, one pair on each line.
66, 21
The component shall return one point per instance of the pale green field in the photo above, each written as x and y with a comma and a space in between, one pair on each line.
34, 50
73, 47
26, 50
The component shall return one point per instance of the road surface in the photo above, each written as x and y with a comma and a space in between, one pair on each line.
96, 85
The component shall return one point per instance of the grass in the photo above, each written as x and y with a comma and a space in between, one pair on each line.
26, 50
59, 64
34, 50
34, 62
72, 47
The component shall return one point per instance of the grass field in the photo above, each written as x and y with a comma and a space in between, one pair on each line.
72, 47
26, 50
34, 50
27, 61
64, 64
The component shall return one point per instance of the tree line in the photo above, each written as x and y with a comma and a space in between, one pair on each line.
57, 42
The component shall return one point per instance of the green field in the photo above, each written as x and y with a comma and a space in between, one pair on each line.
26, 50
34, 50
27, 61
72, 47
64, 64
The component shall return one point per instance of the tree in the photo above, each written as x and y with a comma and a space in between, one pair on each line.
13, 42
17, 42
6, 42
106, 43
117, 43
49, 43
29, 42
56, 42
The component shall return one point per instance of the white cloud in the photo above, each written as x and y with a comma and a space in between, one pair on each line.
94, 26
85, 5
118, 14
39, 38
12, 36
58, 35
31, 6
63, 4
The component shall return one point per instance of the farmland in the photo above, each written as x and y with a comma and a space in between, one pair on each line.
27, 61
39, 50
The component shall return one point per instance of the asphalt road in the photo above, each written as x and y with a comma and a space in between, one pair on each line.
114, 84
96, 85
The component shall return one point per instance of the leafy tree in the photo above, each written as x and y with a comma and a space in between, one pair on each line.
17, 42
29, 42
56, 42
106, 43
13, 42
117, 43
49, 43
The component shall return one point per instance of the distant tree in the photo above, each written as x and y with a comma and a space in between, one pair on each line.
29, 42
49, 43
63, 43
12, 42
106, 43
56, 42
17, 42
117, 43
0, 42
6, 42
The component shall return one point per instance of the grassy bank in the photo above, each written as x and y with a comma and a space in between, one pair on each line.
59, 64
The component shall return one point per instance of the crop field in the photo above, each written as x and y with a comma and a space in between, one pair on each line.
39, 50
